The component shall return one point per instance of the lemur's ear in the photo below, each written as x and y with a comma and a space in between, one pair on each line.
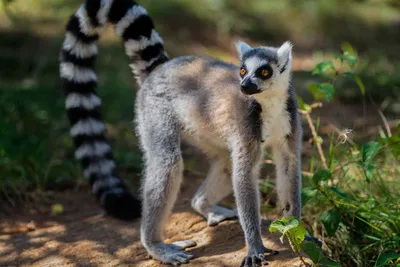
242, 48
285, 56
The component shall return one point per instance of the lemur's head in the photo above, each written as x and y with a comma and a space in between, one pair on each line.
264, 68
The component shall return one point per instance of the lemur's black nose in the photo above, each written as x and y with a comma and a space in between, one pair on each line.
249, 88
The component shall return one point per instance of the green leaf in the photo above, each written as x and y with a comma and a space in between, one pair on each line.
360, 84
322, 90
307, 193
303, 105
349, 75
346, 47
350, 59
279, 225
324, 261
369, 170
349, 55
322, 67
282, 226
321, 175
369, 151
313, 89
338, 191
298, 233
292, 229
384, 258
331, 219
394, 144
312, 250
327, 89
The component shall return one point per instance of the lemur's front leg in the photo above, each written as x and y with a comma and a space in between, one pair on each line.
288, 175
246, 161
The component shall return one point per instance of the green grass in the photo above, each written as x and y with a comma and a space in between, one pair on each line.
365, 196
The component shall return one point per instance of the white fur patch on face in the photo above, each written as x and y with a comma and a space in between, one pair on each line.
253, 63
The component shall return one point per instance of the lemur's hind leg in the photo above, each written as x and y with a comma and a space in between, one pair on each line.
163, 176
215, 187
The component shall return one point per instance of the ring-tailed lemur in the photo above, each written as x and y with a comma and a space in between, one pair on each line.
228, 112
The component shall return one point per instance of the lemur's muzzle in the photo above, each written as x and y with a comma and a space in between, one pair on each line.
249, 88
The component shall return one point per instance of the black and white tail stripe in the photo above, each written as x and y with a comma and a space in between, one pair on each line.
78, 54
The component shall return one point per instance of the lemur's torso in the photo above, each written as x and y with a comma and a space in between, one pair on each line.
194, 86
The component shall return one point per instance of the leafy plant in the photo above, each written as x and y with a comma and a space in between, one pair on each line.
295, 232
352, 200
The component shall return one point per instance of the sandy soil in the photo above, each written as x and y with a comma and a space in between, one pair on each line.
83, 236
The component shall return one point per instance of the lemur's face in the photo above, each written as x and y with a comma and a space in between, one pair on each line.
264, 68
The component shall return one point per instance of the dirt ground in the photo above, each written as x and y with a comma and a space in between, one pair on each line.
83, 236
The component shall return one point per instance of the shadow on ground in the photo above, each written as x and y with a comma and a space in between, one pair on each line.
82, 236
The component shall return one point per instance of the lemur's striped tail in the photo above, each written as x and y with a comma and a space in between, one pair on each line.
145, 47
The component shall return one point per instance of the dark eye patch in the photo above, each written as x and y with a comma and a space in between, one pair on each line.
264, 67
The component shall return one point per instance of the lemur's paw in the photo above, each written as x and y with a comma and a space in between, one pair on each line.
313, 239
254, 261
219, 214
172, 254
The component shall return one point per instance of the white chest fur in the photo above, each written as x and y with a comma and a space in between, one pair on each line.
275, 118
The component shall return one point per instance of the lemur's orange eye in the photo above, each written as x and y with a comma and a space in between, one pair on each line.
242, 71
264, 72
